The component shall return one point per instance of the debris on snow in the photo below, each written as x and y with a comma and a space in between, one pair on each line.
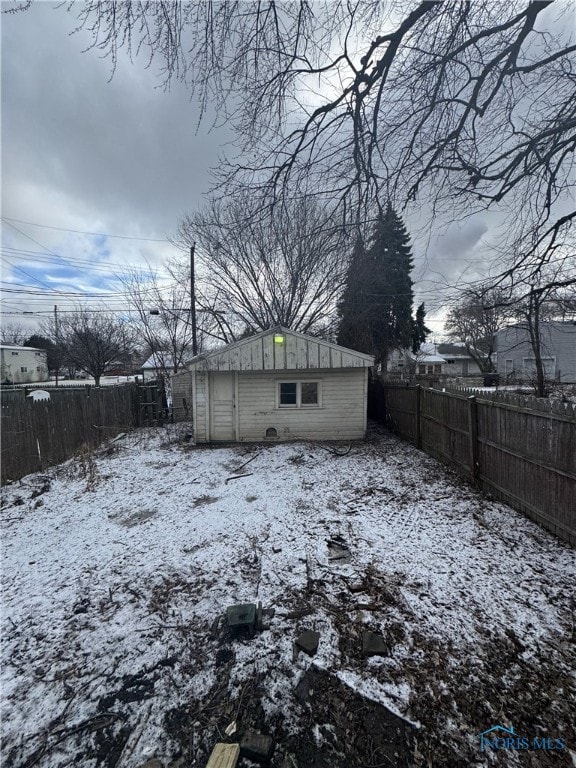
374, 645
308, 641
257, 746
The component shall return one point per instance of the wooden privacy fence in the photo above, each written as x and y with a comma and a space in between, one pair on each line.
520, 450
36, 435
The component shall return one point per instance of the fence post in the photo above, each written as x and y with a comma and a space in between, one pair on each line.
473, 436
418, 417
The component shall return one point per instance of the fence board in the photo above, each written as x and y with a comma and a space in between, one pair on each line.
444, 427
521, 451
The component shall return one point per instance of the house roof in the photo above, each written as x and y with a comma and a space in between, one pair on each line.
161, 360
428, 358
426, 354
19, 346
569, 325
296, 351
454, 350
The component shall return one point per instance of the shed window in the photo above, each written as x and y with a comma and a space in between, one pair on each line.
23, 369
309, 393
299, 394
288, 394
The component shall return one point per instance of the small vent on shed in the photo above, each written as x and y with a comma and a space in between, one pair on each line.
271, 432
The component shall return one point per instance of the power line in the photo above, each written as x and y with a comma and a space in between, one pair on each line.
8, 219
21, 253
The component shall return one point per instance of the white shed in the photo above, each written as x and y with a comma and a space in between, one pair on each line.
277, 385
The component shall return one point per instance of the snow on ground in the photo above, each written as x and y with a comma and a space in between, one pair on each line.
118, 568
105, 381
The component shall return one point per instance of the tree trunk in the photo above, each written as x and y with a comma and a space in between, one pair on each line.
533, 317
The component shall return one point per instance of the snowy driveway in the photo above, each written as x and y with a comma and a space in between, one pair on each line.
118, 567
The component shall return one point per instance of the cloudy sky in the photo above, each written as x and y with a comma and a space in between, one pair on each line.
84, 154
97, 172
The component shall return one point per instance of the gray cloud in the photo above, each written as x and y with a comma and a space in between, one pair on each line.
123, 153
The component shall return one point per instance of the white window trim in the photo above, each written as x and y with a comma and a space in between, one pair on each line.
298, 405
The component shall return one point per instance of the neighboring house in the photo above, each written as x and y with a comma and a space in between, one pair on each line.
157, 364
22, 365
459, 361
558, 349
436, 359
276, 385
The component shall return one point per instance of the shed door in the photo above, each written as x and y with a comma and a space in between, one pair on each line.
222, 406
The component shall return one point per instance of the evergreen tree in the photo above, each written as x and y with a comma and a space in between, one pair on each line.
376, 308
419, 329
55, 353
354, 310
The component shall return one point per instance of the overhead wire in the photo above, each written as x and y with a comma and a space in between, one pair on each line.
19, 253
9, 219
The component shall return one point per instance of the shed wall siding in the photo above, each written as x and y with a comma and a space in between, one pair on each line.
201, 410
342, 415
182, 396
297, 352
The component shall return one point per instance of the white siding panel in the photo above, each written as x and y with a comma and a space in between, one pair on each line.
246, 357
324, 356
181, 384
301, 353
291, 355
268, 352
256, 357
201, 396
297, 352
234, 359
341, 417
349, 361
313, 354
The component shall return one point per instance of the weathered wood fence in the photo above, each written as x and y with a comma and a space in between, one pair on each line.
520, 450
36, 435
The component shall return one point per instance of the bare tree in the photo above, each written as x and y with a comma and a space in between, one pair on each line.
94, 341
13, 333
474, 321
162, 309
286, 267
463, 105
540, 304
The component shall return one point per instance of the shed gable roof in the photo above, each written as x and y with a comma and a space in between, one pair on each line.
297, 351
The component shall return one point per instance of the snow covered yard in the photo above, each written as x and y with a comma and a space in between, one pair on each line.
118, 567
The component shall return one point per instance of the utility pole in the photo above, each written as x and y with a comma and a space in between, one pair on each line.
193, 302
57, 342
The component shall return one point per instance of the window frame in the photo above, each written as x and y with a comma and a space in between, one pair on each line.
298, 405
